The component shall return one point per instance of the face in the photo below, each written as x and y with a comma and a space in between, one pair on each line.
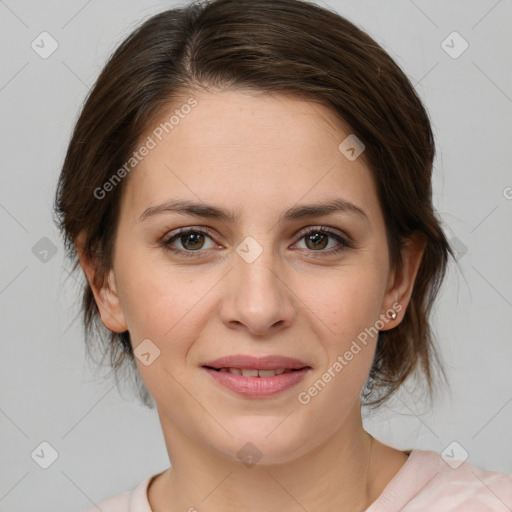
276, 279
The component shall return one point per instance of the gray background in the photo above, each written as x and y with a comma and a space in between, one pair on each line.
105, 440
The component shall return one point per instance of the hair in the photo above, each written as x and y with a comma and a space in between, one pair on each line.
278, 47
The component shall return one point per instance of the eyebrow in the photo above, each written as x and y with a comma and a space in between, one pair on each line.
215, 212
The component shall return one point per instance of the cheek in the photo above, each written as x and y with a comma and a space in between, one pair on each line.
347, 309
346, 303
160, 301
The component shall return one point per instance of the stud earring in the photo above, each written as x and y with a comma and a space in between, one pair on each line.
393, 315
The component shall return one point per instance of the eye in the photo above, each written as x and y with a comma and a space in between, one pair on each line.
316, 239
191, 240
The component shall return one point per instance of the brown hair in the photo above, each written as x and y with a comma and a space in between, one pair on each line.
287, 47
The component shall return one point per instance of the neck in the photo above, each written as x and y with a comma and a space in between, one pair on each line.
335, 476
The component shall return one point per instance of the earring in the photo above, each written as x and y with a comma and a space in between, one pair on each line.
393, 315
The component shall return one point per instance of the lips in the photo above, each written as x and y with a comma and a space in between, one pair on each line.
257, 377
249, 366
257, 387
250, 372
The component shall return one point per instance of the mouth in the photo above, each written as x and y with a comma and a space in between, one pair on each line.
254, 372
257, 377
251, 366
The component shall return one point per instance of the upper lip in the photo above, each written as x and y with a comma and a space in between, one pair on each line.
271, 362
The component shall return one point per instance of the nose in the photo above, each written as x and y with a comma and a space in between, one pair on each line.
256, 297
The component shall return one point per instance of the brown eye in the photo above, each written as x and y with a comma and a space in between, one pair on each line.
316, 241
191, 240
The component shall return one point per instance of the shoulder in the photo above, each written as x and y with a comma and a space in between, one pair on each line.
134, 500
462, 485
427, 482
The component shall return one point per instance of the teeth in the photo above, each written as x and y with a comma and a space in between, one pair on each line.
255, 373
267, 373
249, 373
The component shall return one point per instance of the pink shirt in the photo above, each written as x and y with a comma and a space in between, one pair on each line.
425, 483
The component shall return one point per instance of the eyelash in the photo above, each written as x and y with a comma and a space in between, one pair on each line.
344, 243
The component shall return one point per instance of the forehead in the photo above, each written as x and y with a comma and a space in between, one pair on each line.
247, 151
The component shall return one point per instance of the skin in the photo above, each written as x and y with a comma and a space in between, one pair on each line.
256, 155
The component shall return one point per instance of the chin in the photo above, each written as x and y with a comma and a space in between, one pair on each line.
263, 446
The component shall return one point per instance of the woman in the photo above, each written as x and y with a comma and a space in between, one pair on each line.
248, 192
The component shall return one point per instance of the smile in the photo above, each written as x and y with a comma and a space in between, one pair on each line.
252, 383
252, 372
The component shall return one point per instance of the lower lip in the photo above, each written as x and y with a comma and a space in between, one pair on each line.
258, 387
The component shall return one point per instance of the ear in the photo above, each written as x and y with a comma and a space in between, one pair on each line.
401, 282
106, 295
